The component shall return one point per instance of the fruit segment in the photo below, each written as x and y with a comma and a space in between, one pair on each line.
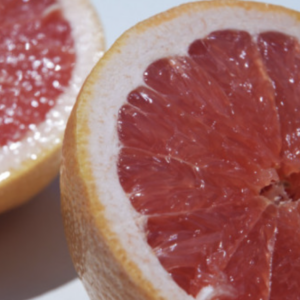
286, 257
249, 271
37, 56
233, 60
281, 56
210, 154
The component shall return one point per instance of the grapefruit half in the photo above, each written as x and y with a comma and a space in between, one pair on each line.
180, 174
47, 48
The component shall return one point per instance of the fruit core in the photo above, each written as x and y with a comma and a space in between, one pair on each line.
202, 143
279, 192
36, 62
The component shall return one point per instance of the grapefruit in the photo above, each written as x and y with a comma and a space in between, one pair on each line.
181, 159
47, 48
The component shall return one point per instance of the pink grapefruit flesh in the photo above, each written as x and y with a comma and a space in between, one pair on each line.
36, 60
211, 155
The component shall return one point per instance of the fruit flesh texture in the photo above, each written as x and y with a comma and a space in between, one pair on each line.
210, 154
36, 61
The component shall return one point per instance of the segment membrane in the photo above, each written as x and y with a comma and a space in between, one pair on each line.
281, 56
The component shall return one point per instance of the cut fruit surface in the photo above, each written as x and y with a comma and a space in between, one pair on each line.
43, 65
37, 60
185, 184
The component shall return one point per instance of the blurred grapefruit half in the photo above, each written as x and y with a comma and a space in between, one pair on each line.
180, 175
47, 48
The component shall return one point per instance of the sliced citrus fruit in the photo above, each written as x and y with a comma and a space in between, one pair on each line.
180, 176
47, 48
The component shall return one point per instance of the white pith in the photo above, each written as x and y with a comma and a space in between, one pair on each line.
122, 73
88, 41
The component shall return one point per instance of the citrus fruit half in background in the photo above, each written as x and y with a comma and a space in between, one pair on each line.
47, 48
181, 159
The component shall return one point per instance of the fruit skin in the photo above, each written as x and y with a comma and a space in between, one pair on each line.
34, 175
26, 182
88, 236
98, 256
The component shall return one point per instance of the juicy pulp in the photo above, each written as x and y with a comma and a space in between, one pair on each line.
201, 142
37, 57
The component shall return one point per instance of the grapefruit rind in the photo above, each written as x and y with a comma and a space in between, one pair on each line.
105, 234
27, 166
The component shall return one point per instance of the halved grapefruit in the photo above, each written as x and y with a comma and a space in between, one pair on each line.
47, 48
181, 160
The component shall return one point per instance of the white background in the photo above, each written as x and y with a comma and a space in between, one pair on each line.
34, 259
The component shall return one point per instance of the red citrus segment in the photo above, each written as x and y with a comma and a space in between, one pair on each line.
249, 270
196, 247
36, 61
281, 56
232, 59
286, 259
140, 131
